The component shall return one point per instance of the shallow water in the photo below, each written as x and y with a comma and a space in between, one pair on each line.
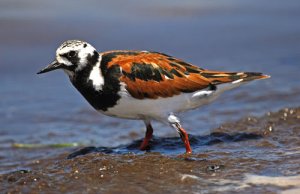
264, 158
222, 35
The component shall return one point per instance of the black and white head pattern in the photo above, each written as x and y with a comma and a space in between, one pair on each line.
74, 55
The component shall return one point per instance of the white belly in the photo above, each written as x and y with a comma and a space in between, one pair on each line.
158, 109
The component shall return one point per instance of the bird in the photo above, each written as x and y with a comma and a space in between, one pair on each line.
143, 85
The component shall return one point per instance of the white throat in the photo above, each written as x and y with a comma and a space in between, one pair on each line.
96, 75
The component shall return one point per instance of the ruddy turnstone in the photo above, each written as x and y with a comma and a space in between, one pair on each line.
142, 85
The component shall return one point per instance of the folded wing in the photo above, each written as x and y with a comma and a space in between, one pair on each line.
153, 75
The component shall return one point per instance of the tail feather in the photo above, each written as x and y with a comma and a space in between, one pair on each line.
254, 76
232, 77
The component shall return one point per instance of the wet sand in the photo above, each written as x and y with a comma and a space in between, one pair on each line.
252, 155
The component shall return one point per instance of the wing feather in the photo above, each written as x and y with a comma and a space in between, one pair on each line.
153, 75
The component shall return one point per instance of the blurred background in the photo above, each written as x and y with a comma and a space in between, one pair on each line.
229, 35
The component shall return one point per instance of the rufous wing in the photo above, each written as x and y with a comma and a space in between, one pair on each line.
153, 74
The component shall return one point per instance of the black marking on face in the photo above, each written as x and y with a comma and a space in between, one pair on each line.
93, 59
144, 72
72, 56
69, 67
85, 45
84, 73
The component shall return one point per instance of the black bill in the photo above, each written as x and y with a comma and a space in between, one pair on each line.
54, 65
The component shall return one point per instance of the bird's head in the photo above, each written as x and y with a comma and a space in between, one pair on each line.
72, 56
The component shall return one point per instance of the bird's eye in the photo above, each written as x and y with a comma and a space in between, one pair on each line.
71, 54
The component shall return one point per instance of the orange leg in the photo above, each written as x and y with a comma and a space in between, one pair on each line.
185, 138
175, 123
148, 136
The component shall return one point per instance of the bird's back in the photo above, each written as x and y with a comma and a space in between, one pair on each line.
153, 75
